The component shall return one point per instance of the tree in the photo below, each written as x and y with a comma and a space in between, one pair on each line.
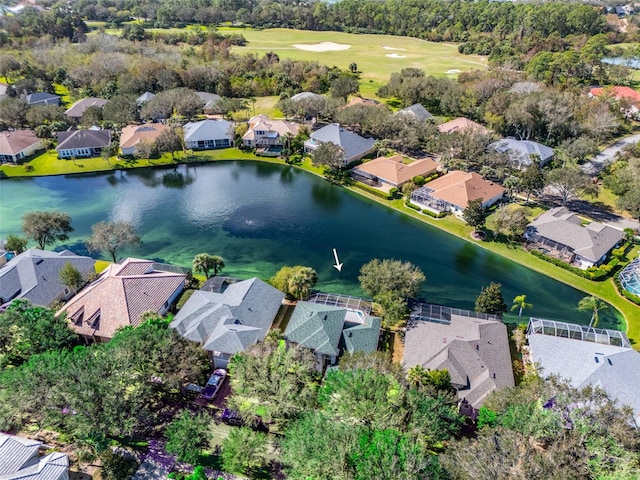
71, 277
520, 303
531, 180
204, 263
296, 282
168, 142
144, 150
391, 307
15, 244
331, 157
417, 376
244, 451
400, 278
474, 214
116, 466
187, 436
594, 305
568, 182
511, 221
630, 201
121, 110
46, 228
490, 300
343, 86
112, 236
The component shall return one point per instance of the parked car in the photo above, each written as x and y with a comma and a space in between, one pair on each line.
213, 384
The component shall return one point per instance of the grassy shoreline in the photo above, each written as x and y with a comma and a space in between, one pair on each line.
44, 165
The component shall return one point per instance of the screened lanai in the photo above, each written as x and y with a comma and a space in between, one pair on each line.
424, 197
577, 332
630, 277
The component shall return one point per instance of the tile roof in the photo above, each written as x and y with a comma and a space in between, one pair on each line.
353, 144
72, 139
149, 132
19, 459
520, 151
461, 124
207, 130
120, 296
14, 141
362, 101
591, 241
417, 111
475, 351
458, 187
394, 171
34, 275
616, 92
230, 321
77, 109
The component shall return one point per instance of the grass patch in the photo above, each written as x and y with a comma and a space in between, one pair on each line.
101, 266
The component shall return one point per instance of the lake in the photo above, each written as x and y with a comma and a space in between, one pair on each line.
259, 217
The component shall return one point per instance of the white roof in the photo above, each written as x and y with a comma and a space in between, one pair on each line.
207, 130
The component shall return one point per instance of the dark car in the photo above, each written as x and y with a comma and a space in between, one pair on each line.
213, 384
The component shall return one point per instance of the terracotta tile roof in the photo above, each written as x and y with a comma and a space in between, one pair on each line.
457, 188
461, 124
120, 296
616, 92
392, 170
133, 134
13, 142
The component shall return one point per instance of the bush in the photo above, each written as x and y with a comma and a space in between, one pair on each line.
187, 435
592, 273
426, 211
419, 180
116, 466
411, 205
393, 192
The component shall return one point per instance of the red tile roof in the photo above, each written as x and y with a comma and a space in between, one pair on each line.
457, 188
616, 92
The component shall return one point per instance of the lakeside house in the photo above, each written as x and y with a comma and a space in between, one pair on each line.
522, 153
453, 191
627, 97
82, 143
76, 111
462, 124
587, 356
264, 132
560, 233
17, 145
353, 145
208, 134
472, 347
119, 297
20, 459
34, 275
393, 171
134, 135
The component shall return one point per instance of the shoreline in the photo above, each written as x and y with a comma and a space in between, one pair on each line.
605, 290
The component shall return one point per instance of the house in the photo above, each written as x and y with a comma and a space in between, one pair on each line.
627, 95
76, 110
472, 347
331, 325
522, 152
231, 320
587, 356
560, 232
119, 297
453, 191
144, 98
20, 459
462, 124
629, 277
393, 171
209, 101
82, 143
16, 145
307, 96
208, 134
42, 98
34, 276
133, 135
353, 145
264, 132
418, 112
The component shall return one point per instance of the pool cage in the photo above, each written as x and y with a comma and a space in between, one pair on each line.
427, 312
577, 332
630, 277
423, 196
344, 301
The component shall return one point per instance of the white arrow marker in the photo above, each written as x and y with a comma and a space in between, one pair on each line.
338, 265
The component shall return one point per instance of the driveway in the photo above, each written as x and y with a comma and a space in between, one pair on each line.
594, 166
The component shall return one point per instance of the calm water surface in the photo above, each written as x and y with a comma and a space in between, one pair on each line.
260, 217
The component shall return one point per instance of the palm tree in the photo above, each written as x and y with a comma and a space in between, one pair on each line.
417, 376
217, 264
301, 282
203, 263
520, 302
594, 305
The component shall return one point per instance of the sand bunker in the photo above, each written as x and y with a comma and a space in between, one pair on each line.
455, 70
322, 46
395, 55
394, 48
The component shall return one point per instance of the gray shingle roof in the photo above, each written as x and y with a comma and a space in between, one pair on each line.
42, 98
19, 459
306, 96
209, 100
207, 130
72, 139
520, 151
361, 337
418, 111
34, 275
77, 109
231, 321
591, 241
353, 144
318, 327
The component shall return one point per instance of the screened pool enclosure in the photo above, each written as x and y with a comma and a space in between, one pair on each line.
630, 277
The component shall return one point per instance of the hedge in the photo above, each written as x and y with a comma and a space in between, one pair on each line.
592, 273
432, 214
411, 205
375, 191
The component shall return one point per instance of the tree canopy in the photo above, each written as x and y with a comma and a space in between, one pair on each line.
296, 282
490, 300
112, 236
46, 228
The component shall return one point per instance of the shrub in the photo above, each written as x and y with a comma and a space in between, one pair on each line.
375, 191
411, 205
426, 211
592, 273
393, 192
419, 180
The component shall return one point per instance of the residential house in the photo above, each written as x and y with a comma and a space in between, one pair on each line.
42, 98
462, 124
20, 459
264, 132
367, 102
587, 356
307, 96
134, 135
209, 102
34, 276
418, 112
522, 152
144, 98
627, 96
119, 297
16, 145
393, 171
331, 325
353, 145
453, 191
472, 347
230, 320
76, 110
208, 134
561, 233
82, 143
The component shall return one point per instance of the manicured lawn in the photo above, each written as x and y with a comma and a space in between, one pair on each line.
101, 265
